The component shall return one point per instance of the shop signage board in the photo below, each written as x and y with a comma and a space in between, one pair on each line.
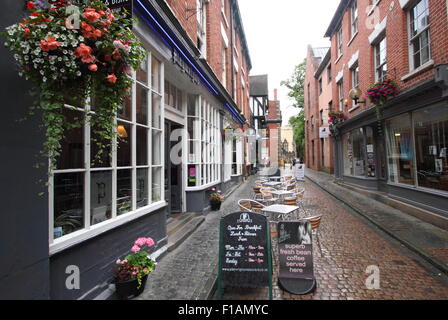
245, 251
299, 171
295, 252
324, 132
119, 6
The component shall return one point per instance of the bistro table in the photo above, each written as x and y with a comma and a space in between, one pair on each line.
273, 184
282, 193
280, 209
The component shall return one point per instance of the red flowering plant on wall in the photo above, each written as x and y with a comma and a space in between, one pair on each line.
72, 51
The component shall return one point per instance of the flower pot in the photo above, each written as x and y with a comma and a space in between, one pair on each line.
215, 205
129, 289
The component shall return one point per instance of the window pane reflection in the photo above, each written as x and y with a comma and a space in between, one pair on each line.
68, 203
124, 191
431, 146
142, 187
124, 144
156, 184
142, 146
125, 111
142, 105
100, 196
399, 150
156, 114
72, 151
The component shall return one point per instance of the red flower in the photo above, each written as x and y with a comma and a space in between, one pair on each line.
91, 15
111, 78
49, 44
85, 53
30, 5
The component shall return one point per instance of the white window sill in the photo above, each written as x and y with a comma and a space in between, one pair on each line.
353, 108
65, 242
373, 7
424, 67
225, 18
353, 38
200, 188
339, 58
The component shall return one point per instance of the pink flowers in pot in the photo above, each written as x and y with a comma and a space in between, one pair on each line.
137, 264
216, 195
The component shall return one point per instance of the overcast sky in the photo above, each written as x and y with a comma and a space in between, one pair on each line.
278, 33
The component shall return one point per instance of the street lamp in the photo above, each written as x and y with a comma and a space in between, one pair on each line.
355, 94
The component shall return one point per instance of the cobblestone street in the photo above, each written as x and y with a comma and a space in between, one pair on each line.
347, 245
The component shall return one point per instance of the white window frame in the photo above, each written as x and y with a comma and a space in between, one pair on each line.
377, 52
339, 42
354, 18
418, 36
340, 86
89, 231
207, 158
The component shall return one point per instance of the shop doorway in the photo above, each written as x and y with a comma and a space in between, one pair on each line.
173, 169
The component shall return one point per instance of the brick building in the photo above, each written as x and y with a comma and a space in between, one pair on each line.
402, 150
192, 84
318, 102
273, 120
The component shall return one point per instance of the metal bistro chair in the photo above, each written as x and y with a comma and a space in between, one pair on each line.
258, 195
268, 197
250, 205
315, 223
290, 201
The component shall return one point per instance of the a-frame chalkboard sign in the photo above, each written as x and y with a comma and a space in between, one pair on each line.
245, 256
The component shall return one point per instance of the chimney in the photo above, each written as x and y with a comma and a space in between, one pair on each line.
275, 94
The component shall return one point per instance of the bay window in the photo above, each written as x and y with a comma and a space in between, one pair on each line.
203, 142
85, 192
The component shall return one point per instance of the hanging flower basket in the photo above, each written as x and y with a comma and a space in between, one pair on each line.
380, 92
71, 48
334, 119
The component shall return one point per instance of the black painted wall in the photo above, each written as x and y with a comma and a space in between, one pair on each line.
24, 264
96, 257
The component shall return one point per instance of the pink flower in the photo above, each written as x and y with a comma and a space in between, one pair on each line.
91, 15
135, 249
111, 78
85, 53
149, 242
145, 270
140, 242
93, 67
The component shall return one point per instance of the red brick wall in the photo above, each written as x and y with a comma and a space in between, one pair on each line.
397, 47
185, 11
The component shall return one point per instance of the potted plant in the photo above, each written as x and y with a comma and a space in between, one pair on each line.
216, 198
132, 272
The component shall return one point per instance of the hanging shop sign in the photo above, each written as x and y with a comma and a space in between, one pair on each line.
295, 252
245, 251
324, 132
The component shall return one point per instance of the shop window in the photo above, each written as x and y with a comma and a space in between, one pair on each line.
87, 191
399, 150
358, 153
203, 144
348, 154
371, 163
431, 147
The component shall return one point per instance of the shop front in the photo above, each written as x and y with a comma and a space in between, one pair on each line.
404, 154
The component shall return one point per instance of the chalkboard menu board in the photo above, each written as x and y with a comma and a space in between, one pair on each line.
245, 254
295, 252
